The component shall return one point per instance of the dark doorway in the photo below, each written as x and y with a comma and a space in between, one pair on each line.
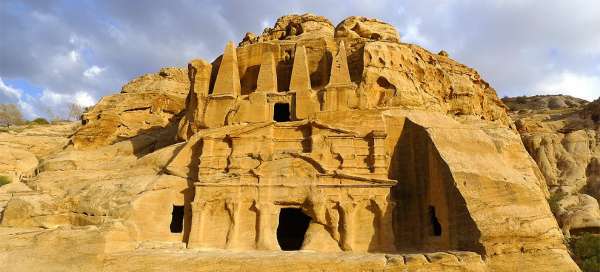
177, 219
281, 112
293, 224
436, 227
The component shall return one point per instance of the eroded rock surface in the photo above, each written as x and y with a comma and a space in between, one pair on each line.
22, 147
293, 27
145, 105
561, 134
359, 151
363, 27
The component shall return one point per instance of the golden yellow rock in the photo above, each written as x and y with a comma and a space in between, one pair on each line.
228, 77
145, 104
363, 27
302, 149
267, 76
561, 134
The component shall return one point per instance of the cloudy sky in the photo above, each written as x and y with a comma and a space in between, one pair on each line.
53, 53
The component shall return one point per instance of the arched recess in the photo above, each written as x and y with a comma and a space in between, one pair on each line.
431, 214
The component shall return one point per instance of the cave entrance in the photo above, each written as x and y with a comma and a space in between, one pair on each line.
177, 219
281, 112
293, 224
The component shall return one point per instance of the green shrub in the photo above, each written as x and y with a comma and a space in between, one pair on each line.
586, 249
554, 199
40, 121
521, 99
4, 180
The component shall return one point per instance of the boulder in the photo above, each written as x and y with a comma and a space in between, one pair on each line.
578, 213
362, 27
145, 105
293, 27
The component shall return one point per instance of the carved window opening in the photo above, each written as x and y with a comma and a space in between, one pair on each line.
436, 227
281, 112
293, 224
177, 219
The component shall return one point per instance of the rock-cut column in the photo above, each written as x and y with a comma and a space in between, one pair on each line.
228, 77
233, 209
197, 238
348, 209
383, 215
267, 226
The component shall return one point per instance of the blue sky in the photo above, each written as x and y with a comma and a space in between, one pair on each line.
53, 53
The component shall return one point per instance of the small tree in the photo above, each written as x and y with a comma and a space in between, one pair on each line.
50, 113
75, 111
10, 115
40, 121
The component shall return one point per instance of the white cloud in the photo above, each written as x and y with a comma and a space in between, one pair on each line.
569, 83
9, 91
9, 94
74, 56
81, 98
56, 105
93, 71
410, 33
84, 99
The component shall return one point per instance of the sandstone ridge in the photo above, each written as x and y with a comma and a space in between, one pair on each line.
561, 134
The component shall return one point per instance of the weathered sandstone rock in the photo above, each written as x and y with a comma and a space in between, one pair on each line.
17, 163
293, 27
562, 136
408, 76
363, 27
543, 102
591, 111
22, 147
301, 149
145, 105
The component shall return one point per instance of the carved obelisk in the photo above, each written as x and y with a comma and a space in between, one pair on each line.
267, 75
306, 100
228, 77
337, 91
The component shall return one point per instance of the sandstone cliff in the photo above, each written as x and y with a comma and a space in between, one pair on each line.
562, 134
404, 159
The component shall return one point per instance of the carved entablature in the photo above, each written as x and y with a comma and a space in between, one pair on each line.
241, 151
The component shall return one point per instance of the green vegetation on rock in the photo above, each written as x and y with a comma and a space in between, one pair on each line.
586, 249
554, 199
4, 180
